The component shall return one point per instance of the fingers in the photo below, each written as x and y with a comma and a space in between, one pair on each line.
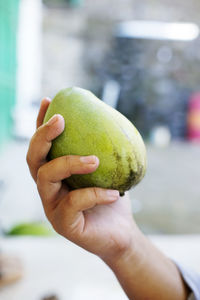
43, 108
51, 174
41, 143
84, 199
68, 218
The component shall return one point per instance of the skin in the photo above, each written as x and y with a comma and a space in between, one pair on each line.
99, 220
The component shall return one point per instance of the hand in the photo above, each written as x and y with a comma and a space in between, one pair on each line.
94, 218
99, 220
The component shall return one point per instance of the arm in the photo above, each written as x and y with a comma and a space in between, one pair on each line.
146, 273
99, 220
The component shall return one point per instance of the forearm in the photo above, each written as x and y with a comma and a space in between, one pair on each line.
145, 273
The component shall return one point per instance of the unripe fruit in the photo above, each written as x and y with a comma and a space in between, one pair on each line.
94, 128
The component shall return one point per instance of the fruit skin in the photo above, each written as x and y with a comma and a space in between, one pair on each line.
94, 128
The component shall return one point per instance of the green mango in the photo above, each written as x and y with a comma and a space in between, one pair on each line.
33, 228
94, 128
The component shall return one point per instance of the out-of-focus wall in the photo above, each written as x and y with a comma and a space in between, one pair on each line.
8, 28
29, 71
29, 51
20, 64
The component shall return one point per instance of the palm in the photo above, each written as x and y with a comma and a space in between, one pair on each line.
106, 225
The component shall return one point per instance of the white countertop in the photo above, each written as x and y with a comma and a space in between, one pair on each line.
56, 266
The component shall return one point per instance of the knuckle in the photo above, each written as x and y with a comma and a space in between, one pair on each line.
46, 126
43, 133
96, 193
34, 140
29, 157
49, 131
71, 199
41, 175
68, 161
34, 135
40, 130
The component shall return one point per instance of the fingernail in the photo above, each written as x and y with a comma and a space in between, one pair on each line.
112, 194
47, 98
54, 119
88, 159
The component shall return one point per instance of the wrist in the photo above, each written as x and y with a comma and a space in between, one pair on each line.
131, 252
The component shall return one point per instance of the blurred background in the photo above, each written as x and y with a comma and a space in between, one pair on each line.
142, 58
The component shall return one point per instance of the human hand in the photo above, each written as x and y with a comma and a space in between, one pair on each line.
96, 219
99, 220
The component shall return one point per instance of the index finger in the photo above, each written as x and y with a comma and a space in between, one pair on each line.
43, 108
41, 142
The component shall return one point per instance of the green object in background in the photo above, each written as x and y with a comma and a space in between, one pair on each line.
72, 3
75, 2
9, 10
36, 229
